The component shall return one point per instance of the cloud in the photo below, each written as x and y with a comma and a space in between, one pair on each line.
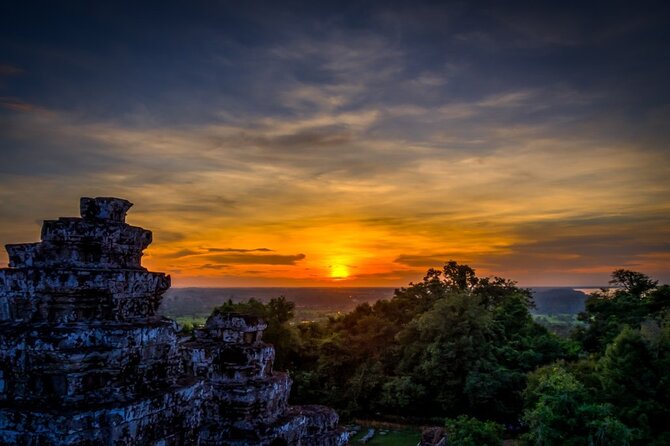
181, 253
239, 250
307, 140
558, 25
15, 104
10, 70
214, 266
258, 259
402, 136
188, 253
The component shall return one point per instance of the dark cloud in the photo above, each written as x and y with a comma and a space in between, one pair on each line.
239, 250
581, 251
181, 253
17, 105
10, 70
190, 252
308, 139
214, 266
258, 259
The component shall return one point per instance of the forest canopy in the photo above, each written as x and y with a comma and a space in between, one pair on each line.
465, 351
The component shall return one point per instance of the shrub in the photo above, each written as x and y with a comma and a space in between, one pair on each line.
467, 431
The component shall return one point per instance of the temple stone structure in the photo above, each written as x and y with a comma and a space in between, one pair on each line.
85, 360
247, 400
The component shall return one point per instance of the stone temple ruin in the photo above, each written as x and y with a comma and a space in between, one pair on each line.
85, 360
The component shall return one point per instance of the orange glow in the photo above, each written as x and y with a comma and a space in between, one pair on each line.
339, 269
316, 252
520, 216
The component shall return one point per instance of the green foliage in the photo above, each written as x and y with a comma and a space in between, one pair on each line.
447, 345
621, 397
634, 377
635, 299
560, 412
632, 283
401, 392
451, 344
561, 324
467, 431
394, 437
186, 324
456, 345
187, 328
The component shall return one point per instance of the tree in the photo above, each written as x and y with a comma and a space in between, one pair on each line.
451, 344
442, 346
559, 411
472, 346
632, 282
635, 300
459, 277
467, 431
634, 377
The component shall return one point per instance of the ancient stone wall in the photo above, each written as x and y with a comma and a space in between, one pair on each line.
85, 360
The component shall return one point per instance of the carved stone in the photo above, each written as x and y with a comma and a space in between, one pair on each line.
85, 360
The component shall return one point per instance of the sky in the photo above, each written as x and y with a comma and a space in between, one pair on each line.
348, 143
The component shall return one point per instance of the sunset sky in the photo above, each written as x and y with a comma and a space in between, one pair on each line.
346, 143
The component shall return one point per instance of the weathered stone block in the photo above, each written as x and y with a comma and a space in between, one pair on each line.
216, 361
38, 294
104, 208
170, 417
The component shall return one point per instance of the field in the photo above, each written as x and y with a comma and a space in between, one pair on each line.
302, 315
559, 324
405, 437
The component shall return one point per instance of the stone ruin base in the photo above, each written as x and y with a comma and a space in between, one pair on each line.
168, 418
299, 426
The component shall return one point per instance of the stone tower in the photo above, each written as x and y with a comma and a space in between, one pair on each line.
85, 360
247, 400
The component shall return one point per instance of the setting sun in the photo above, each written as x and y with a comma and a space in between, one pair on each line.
339, 271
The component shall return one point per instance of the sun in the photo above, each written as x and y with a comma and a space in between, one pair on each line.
339, 271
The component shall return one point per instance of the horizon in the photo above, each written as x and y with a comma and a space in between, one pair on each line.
346, 144
576, 287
